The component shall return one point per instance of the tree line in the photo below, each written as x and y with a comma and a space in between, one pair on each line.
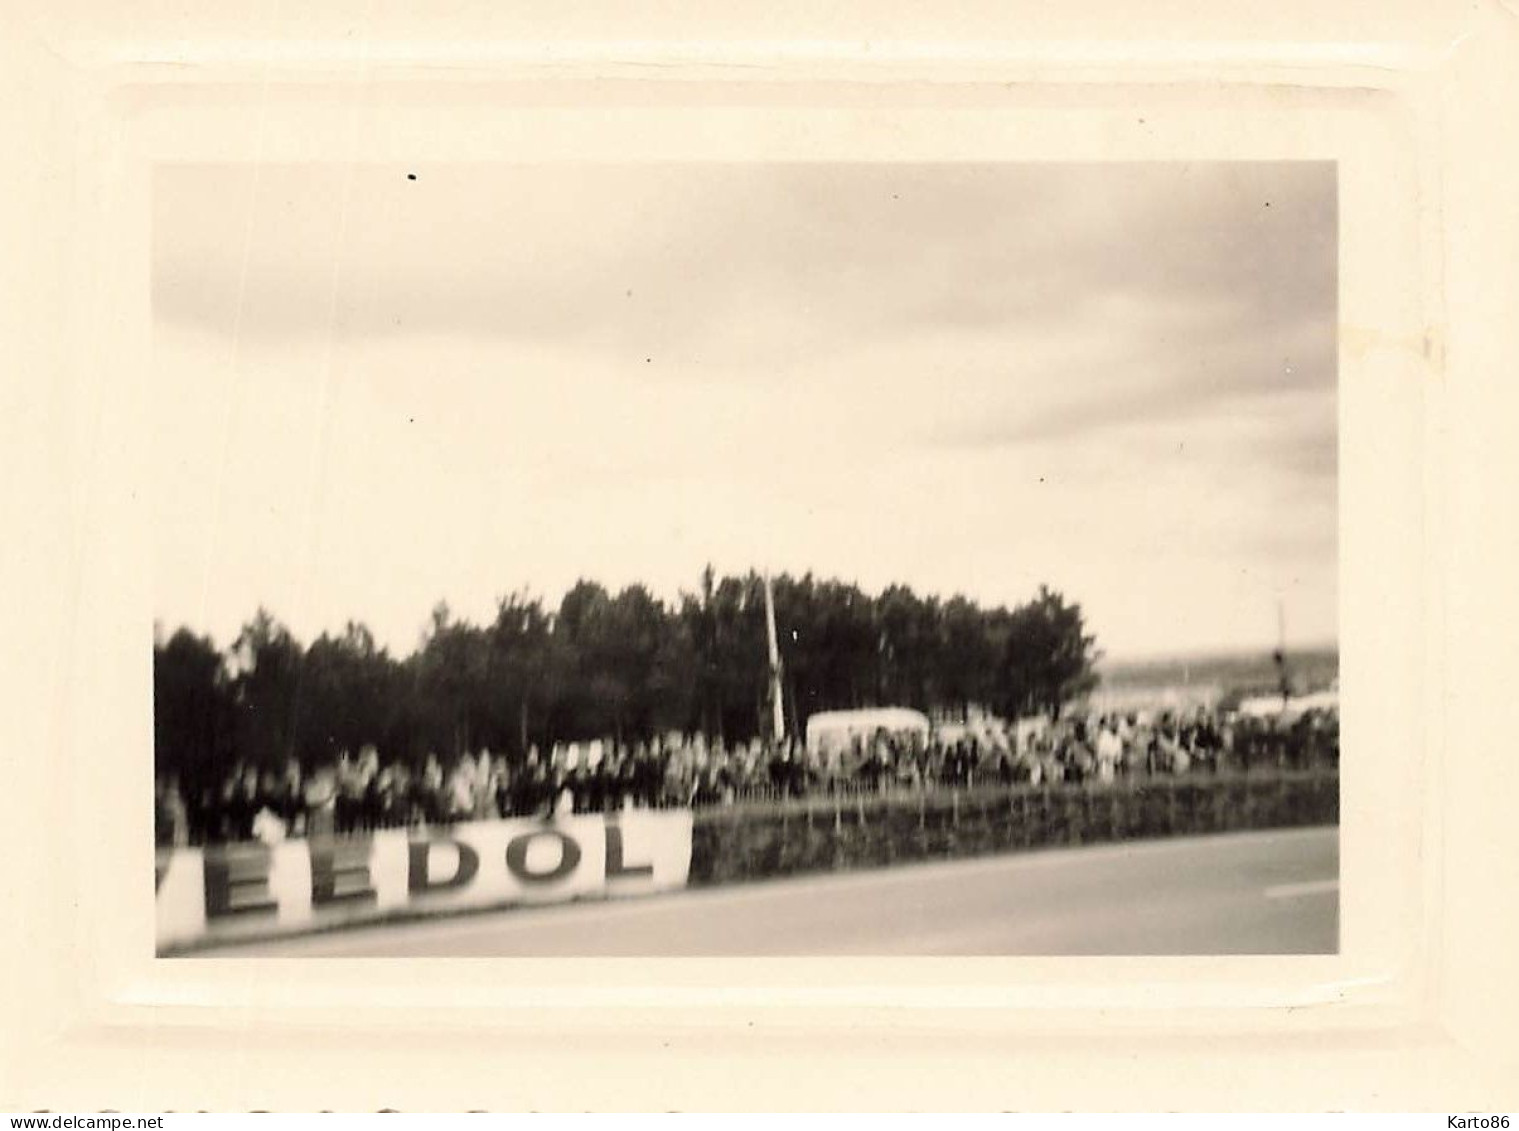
624, 665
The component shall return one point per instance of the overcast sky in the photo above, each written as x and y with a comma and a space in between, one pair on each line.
377, 392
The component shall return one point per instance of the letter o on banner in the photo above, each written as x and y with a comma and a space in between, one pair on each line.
516, 857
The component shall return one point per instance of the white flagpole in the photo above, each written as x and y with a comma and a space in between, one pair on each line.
776, 704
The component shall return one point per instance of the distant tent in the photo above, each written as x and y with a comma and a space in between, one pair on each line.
1318, 701
831, 730
1272, 706
1261, 706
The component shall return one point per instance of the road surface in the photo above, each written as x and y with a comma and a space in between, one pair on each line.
1245, 893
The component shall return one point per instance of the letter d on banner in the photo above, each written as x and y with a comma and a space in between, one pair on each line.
420, 879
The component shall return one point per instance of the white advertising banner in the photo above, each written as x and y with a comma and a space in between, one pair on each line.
251, 890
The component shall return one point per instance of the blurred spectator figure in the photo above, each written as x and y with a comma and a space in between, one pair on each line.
365, 800
1300, 742
544, 785
1007, 770
602, 781
203, 806
704, 783
527, 790
1131, 757
1326, 731
290, 801
562, 798
350, 796
485, 787
1178, 756
460, 789
1227, 732
321, 794
1076, 758
1109, 752
224, 818
1164, 744
268, 828
608, 778
873, 760
675, 782
1206, 742
571, 789
1147, 738
269, 795
501, 786
718, 776
1029, 766
429, 793
170, 815
244, 806
1245, 738
386, 793
960, 773
1052, 769
908, 771
625, 779
589, 780
647, 776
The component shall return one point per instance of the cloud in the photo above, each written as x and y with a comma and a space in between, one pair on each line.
1191, 383
643, 260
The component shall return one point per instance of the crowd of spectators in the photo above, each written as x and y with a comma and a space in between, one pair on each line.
360, 792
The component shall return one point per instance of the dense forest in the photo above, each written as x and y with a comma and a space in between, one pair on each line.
622, 665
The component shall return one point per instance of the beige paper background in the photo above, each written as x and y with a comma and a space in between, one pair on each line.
1421, 1007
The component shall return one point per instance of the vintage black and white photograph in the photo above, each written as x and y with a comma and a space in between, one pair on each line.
745, 559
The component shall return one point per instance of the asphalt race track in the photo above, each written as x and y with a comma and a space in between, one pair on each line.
1245, 893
